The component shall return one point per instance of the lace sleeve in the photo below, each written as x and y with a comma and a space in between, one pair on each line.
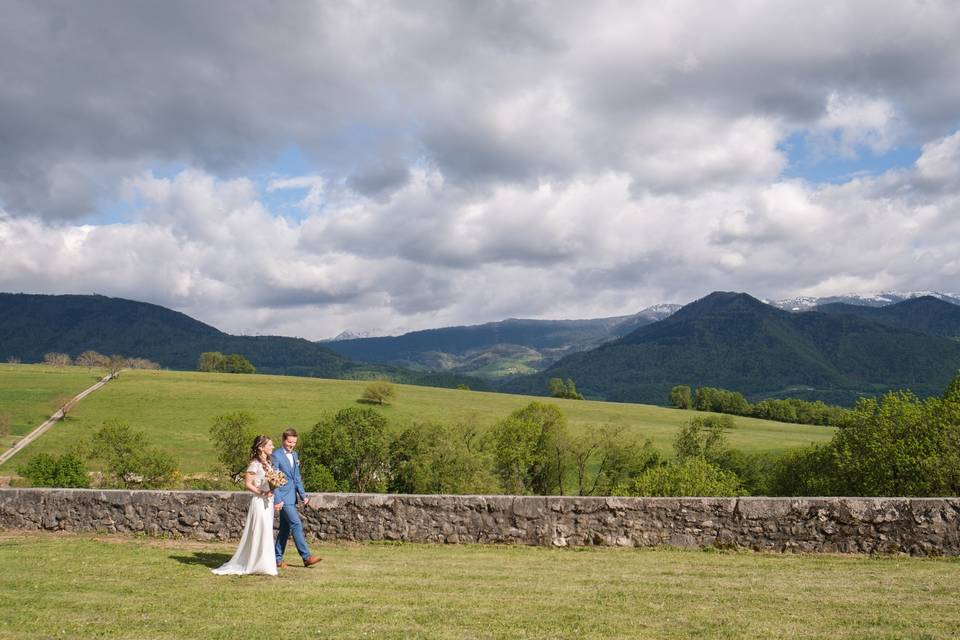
254, 467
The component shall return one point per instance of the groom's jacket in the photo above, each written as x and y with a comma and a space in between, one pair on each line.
289, 492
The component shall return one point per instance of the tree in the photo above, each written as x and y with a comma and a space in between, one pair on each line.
211, 361
232, 434
703, 437
690, 477
680, 397
379, 392
142, 363
116, 364
128, 460
91, 359
352, 446
604, 458
560, 389
236, 363
45, 470
431, 459
530, 452
214, 361
62, 404
56, 359
889, 447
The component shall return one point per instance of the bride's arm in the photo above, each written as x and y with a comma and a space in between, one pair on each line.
250, 483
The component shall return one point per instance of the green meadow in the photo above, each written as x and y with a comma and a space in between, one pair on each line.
175, 410
27, 391
84, 586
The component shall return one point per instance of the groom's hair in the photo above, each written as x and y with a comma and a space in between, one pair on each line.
290, 433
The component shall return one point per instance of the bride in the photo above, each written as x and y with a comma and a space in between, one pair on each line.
256, 553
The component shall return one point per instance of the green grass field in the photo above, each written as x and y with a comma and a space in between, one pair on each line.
27, 390
128, 587
175, 410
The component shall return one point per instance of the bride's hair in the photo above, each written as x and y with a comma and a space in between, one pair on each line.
256, 449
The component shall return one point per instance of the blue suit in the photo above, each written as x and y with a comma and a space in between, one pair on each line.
288, 494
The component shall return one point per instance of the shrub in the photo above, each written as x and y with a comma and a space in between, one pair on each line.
45, 470
689, 477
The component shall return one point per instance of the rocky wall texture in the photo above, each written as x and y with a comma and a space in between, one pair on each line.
917, 526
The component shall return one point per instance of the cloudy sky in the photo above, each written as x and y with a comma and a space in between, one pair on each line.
302, 168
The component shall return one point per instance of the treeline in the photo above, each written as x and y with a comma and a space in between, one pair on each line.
732, 402
530, 451
92, 359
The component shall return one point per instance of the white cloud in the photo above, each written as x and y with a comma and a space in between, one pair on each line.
470, 161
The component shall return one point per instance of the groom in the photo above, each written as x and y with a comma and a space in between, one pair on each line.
286, 460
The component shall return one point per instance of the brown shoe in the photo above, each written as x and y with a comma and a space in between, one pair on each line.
312, 560
282, 565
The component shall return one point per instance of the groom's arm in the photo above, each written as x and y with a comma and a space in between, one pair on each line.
299, 481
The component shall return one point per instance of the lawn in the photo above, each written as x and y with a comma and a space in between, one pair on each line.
27, 391
176, 408
72, 586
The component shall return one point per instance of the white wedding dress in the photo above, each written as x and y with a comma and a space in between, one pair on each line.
256, 551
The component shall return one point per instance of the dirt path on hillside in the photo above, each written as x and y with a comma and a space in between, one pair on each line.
52, 420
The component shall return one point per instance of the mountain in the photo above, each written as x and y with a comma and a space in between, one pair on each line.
496, 349
809, 303
32, 325
926, 314
734, 341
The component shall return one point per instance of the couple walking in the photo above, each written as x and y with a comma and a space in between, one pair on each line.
258, 553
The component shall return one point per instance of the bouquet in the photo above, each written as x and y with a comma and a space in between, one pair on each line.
275, 478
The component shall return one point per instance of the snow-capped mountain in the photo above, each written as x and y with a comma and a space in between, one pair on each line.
882, 299
659, 311
352, 335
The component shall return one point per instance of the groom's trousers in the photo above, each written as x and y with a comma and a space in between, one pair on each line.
290, 523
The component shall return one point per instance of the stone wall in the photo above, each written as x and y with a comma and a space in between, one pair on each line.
918, 526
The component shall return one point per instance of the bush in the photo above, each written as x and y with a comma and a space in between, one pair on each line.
45, 470
690, 477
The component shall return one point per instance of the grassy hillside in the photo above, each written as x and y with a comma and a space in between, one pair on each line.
175, 409
26, 392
